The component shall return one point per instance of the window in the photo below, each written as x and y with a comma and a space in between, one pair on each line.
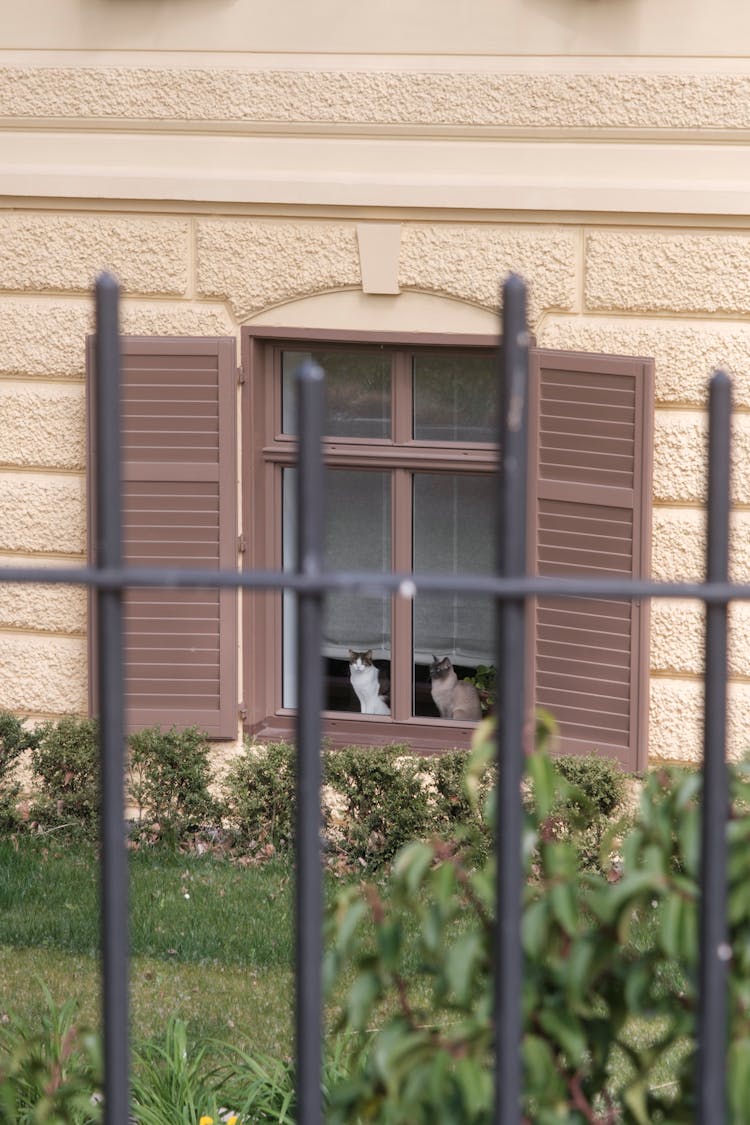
410, 460
409, 452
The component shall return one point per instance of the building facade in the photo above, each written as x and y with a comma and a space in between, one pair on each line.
353, 185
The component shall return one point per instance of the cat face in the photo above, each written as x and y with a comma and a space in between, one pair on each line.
440, 668
360, 659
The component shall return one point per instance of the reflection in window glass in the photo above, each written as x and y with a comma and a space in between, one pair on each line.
454, 398
452, 535
358, 392
358, 537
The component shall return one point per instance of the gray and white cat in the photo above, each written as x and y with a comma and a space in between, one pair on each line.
365, 679
454, 698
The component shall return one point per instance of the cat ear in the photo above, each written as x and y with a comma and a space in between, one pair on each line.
368, 654
352, 655
434, 659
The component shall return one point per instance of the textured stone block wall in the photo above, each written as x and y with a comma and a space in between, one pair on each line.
679, 295
47, 265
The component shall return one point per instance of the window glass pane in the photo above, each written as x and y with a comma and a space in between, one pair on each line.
358, 537
454, 397
358, 392
452, 535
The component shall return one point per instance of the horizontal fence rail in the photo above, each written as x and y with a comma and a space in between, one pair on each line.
407, 585
511, 586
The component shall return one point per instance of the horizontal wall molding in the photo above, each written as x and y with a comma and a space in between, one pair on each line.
646, 178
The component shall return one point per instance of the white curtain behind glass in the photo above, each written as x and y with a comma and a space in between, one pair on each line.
453, 535
357, 537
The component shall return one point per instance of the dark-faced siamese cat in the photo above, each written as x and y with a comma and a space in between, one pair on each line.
454, 698
365, 678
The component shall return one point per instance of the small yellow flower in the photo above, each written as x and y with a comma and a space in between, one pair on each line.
233, 1119
205, 1120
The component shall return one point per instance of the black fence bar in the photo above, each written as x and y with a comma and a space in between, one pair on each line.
511, 702
114, 864
308, 855
715, 951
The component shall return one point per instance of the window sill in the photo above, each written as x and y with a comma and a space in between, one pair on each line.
421, 735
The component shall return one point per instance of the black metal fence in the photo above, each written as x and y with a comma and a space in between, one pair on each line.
510, 587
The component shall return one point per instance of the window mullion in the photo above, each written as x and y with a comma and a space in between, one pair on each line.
401, 615
402, 398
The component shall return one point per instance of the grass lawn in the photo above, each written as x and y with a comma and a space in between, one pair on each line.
211, 941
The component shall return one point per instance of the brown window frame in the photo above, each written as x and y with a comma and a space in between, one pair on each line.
266, 451
263, 456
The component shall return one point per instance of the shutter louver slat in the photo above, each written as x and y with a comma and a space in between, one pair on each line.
591, 455
179, 511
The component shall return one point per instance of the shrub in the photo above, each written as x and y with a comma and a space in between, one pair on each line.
49, 1073
259, 795
168, 779
385, 801
600, 780
584, 810
66, 762
384, 797
457, 814
610, 967
14, 740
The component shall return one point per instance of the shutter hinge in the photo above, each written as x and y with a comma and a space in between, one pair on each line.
240, 375
241, 544
243, 711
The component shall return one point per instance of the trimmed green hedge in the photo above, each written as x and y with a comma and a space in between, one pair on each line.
375, 799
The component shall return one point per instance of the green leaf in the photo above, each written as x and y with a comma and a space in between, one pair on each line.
739, 1079
432, 929
564, 906
559, 860
461, 964
475, 1082
347, 921
539, 1062
444, 885
389, 941
579, 970
670, 924
635, 1098
567, 1032
363, 995
544, 781
535, 927
633, 891
638, 982
413, 863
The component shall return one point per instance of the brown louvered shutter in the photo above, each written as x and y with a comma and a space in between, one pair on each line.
591, 452
179, 510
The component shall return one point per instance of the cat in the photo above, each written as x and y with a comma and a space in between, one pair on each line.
454, 698
365, 678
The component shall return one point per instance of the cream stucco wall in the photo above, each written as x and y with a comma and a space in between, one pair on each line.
292, 167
